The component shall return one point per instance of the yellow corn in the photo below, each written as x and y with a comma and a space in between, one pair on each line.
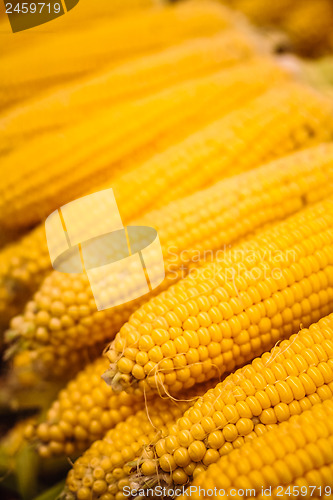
261, 13
231, 310
82, 413
17, 468
309, 26
99, 44
295, 458
100, 468
23, 264
12, 441
306, 24
287, 381
118, 137
133, 79
63, 312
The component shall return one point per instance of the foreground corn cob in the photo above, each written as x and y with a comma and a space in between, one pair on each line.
294, 376
100, 44
295, 458
231, 310
23, 473
118, 137
102, 467
87, 407
63, 312
131, 80
83, 411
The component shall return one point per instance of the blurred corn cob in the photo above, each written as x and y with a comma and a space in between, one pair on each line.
289, 380
61, 322
77, 53
129, 81
318, 73
230, 310
307, 23
309, 26
22, 471
92, 151
82, 412
296, 456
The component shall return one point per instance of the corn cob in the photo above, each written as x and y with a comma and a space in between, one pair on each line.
87, 408
82, 413
107, 41
134, 79
232, 309
75, 331
294, 376
296, 457
104, 463
127, 133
